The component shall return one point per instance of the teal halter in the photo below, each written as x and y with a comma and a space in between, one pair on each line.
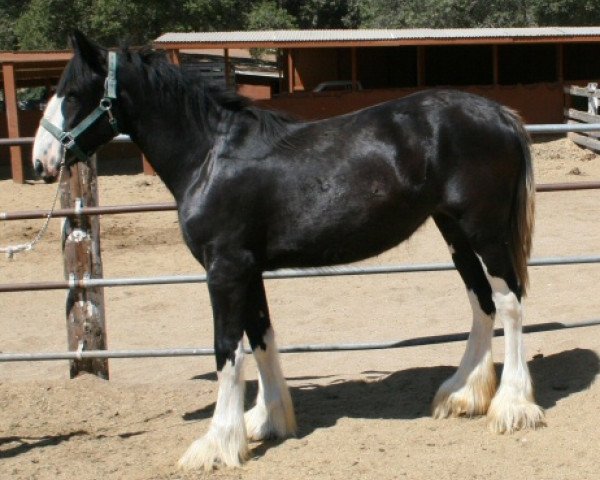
69, 139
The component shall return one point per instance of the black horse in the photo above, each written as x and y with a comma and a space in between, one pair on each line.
258, 191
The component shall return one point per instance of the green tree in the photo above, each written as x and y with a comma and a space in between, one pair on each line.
443, 13
268, 15
135, 21
10, 11
328, 14
210, 15
45, 24
566, 12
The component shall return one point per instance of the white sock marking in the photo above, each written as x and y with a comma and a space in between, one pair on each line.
513, 407
470, 390
225, 442
273, 414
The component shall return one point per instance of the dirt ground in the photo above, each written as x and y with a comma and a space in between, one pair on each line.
360, 414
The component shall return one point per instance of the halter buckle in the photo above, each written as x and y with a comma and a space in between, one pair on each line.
67, 140
106, 104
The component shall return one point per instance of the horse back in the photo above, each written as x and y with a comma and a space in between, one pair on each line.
352, 186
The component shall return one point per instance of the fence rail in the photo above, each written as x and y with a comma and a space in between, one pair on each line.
80, 284
577, 118
305, 348
534, 129
289, 273
169, 206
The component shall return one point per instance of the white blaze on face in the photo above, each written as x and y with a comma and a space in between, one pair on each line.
47, 150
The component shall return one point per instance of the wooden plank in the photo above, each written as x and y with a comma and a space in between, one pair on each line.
581, 91
587, 142
12, 119
582, 116
595, 134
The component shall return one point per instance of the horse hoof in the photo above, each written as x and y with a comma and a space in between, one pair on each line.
508, 417
276, 422
456, 398
463, 403
211, 452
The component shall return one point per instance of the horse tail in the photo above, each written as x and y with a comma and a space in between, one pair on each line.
523, 209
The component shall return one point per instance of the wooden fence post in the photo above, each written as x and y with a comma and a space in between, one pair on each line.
81, 250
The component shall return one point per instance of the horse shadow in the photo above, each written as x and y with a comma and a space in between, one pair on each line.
17, 445
407, 394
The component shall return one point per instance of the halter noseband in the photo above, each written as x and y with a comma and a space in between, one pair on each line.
69, 139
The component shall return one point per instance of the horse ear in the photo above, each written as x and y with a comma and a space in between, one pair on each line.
89, 52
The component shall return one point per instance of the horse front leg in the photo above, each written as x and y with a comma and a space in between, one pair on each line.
226, 442
273, 415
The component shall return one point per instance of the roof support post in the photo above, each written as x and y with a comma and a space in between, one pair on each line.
291, 68
495, 67
560, 62
227, 61
12, 119
354, 68
174, 56
420, 65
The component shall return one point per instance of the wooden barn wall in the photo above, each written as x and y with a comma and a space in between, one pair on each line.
314, 66
528, 77
542, 103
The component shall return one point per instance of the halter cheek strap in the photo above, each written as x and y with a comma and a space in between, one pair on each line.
69, 138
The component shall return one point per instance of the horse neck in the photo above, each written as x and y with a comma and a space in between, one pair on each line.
174, 144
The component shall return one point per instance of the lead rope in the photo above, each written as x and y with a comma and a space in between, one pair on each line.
24, 247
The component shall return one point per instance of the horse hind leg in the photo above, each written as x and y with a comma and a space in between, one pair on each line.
470, 390
513, 407
273, 414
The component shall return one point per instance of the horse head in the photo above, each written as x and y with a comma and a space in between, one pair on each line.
81, 116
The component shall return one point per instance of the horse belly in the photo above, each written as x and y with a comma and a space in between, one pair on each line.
341, 236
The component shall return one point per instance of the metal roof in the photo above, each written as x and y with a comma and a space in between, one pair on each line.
399, 36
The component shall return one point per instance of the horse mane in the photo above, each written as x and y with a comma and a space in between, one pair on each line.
193, 95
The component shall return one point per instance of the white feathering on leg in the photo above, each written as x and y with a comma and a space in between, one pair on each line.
273, 415
513, 407
225, 443
470, 390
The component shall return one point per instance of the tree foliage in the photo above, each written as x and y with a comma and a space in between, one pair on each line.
268, 15
567, 12
445, 13
44, 24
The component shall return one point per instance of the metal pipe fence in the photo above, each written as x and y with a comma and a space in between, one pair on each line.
170, 206
291, 273
534, 129
279, 274
306, 348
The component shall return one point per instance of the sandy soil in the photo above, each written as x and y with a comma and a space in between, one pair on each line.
361, 414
